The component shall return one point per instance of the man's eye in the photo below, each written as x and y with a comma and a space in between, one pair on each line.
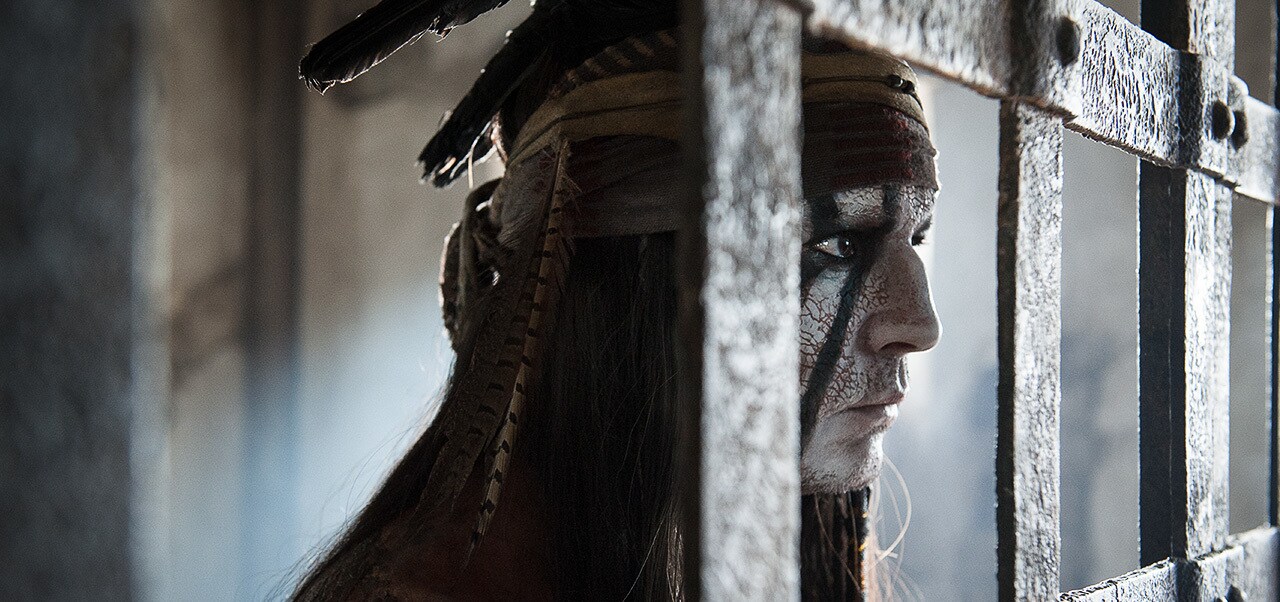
841, 246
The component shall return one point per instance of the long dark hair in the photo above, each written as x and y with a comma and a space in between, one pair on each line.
599, 439
604, 430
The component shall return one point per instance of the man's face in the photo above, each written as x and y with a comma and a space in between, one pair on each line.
865, 305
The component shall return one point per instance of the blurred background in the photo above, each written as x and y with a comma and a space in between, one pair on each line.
221, 326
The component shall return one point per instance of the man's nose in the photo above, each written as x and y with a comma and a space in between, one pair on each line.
906, 322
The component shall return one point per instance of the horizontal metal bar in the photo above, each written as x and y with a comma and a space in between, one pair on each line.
1156, 582
1249, 163
944, 37
1246, 569
1247, 566
1109, 80
1259, 578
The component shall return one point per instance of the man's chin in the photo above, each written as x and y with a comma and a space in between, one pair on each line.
832, 463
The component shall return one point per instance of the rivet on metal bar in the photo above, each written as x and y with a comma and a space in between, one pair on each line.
1222, 120
1068, 41
1237, 95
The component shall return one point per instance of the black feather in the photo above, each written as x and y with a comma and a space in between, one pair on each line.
572, 23
380, 31
463, 138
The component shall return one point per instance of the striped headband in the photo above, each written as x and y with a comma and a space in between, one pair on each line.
620, 112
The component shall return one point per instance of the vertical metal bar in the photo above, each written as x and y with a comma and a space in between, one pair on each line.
739, 273
1183, 294
1183, 297
1273, 503
1029, 265
1273, 399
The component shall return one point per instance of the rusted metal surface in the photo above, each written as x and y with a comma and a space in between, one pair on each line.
1273, 362
1158, 581
1258, 573
1253, 164
1204, 33
1183, 298
1273, 504
1184, 286
1029, 265
1126, 88
739, 307
944, 37
1128, 84
1245, 569
1204, 28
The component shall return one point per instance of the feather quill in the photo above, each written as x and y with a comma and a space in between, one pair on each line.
380, 31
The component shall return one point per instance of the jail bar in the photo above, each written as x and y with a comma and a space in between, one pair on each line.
1029, 260
739, 308
1158, 581
1184, 284
1170, 99
1273, 362
1116, 85
1273, 307
1183, 295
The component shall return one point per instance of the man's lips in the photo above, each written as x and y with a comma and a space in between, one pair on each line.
873, 403
876, 416
886, 399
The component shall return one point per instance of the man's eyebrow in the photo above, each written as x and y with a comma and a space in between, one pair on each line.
823, 207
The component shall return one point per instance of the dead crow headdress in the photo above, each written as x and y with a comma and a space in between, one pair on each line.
598, 157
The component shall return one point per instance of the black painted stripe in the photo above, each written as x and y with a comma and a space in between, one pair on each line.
829, 352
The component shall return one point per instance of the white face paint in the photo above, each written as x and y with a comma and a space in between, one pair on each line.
865, 305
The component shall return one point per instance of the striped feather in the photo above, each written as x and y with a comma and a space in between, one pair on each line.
473, 412
552, 266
